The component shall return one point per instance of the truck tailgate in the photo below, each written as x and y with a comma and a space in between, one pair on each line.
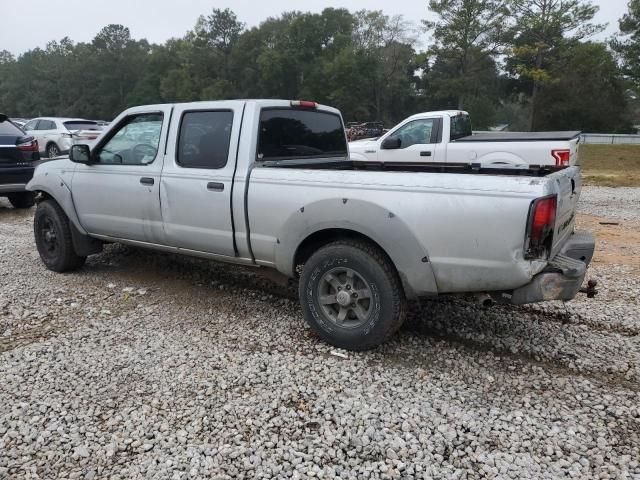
567, 184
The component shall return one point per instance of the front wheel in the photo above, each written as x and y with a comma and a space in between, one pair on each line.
351, 295
22, 199
53, 238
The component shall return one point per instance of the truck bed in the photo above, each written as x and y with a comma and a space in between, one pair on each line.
520, 137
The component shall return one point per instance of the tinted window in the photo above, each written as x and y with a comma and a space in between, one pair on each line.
81, 125
46, 125
204, 139
290, 133
460, 126
8, 128
417, 132
135, 141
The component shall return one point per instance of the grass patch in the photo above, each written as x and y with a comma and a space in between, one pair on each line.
610, 165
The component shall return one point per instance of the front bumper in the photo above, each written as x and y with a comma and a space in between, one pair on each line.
563, 276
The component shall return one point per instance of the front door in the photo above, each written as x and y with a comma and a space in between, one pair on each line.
118, 193
198, 176
418, 143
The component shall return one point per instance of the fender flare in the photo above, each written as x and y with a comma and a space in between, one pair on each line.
367, 219
58, 189
500, 159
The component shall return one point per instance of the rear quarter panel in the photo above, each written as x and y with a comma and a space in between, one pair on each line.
470, 227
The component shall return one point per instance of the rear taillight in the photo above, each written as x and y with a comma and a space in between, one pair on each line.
29, 145
562, 157
540, 226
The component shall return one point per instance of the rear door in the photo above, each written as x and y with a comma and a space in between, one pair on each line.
418, 142
197, 177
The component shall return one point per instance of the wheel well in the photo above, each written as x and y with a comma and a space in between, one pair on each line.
42, 196
319, 239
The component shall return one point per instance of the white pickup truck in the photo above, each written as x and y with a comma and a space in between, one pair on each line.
446, 137
269, 184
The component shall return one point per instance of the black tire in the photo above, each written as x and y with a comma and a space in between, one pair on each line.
22, 199
52, 150
53, 238
372, 269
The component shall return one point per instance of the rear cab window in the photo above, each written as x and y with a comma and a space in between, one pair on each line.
460, 126
296, 133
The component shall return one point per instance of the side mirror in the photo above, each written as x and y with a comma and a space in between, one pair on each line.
3, 118
391, 143
80, 154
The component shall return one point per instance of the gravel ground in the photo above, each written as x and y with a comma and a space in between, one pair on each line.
146, 365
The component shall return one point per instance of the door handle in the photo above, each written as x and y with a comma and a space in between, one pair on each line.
215, 186
146, 181
425, 154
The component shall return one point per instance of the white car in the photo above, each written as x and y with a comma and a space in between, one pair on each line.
446, 137
56, 135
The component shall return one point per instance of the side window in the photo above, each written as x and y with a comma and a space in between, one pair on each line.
204, 139
30, 125
292, 133
417, 132
46, 125
135, 142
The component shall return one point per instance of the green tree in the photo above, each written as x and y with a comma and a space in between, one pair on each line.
628, 44
597, 105
467, 35
544, 27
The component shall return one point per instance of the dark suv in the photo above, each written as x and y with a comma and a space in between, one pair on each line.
18, 152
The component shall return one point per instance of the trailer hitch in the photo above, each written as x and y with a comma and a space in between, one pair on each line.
590, 289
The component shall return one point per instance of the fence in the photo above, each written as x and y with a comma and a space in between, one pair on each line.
610, 138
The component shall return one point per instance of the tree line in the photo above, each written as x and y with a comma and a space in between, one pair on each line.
532, 64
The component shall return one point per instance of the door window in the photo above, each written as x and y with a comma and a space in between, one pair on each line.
204, 139
135, 141
417, 132
46, 125
31, 125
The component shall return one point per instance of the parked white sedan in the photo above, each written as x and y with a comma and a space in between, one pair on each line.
56, 135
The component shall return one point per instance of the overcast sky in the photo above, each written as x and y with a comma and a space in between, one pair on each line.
30, 24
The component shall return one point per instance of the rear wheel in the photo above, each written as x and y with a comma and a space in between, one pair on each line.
52, 150
53, 238
22, 199
351, 295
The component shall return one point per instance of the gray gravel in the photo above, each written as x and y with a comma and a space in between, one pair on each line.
622, 203
146, 365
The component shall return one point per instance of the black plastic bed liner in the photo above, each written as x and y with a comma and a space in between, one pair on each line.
431, 167
520, 137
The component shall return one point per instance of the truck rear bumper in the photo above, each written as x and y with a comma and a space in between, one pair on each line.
563, 277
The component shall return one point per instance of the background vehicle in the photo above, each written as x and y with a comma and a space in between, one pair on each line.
19, 121
268, 183
446, 137
56, 135
18, 151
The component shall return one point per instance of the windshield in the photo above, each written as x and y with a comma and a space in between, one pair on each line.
460, 126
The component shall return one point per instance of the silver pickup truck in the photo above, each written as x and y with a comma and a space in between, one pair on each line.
269, 184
